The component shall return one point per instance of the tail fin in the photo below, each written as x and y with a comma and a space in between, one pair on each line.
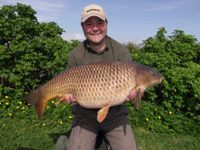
40, 107
35, 98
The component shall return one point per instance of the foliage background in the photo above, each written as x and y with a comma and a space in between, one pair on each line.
31, 53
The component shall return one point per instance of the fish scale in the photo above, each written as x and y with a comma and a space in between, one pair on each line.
99, 85
94, 78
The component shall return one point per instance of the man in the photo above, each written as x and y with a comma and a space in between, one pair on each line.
99, 47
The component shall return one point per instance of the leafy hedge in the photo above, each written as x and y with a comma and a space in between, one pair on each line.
175, 104
31, 53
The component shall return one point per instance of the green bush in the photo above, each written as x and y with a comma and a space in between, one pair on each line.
30, 54
29, 58
177, 99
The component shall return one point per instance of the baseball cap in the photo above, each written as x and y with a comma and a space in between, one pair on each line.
93, 10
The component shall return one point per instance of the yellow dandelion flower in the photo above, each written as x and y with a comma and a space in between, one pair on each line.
70, 117
43, 124
6, 97
61, 122
20, 103
170, 113
159, 117
147, 119
10, 114
7, 103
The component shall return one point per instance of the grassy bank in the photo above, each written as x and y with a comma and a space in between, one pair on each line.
31, 133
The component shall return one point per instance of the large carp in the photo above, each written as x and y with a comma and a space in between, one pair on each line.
98, 85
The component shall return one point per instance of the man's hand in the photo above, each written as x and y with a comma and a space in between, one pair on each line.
68, 98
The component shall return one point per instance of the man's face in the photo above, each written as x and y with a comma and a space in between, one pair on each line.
95, 29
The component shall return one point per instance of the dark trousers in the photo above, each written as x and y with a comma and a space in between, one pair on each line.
83, 137
89, 135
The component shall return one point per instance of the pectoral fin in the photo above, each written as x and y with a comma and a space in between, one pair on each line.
137, 100
102, 113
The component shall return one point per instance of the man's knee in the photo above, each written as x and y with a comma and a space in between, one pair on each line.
62, 143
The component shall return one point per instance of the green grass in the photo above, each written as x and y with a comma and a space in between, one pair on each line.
23, 133
147, 140
32, 133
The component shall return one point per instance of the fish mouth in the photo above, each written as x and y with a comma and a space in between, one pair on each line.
158, 81
161, 79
